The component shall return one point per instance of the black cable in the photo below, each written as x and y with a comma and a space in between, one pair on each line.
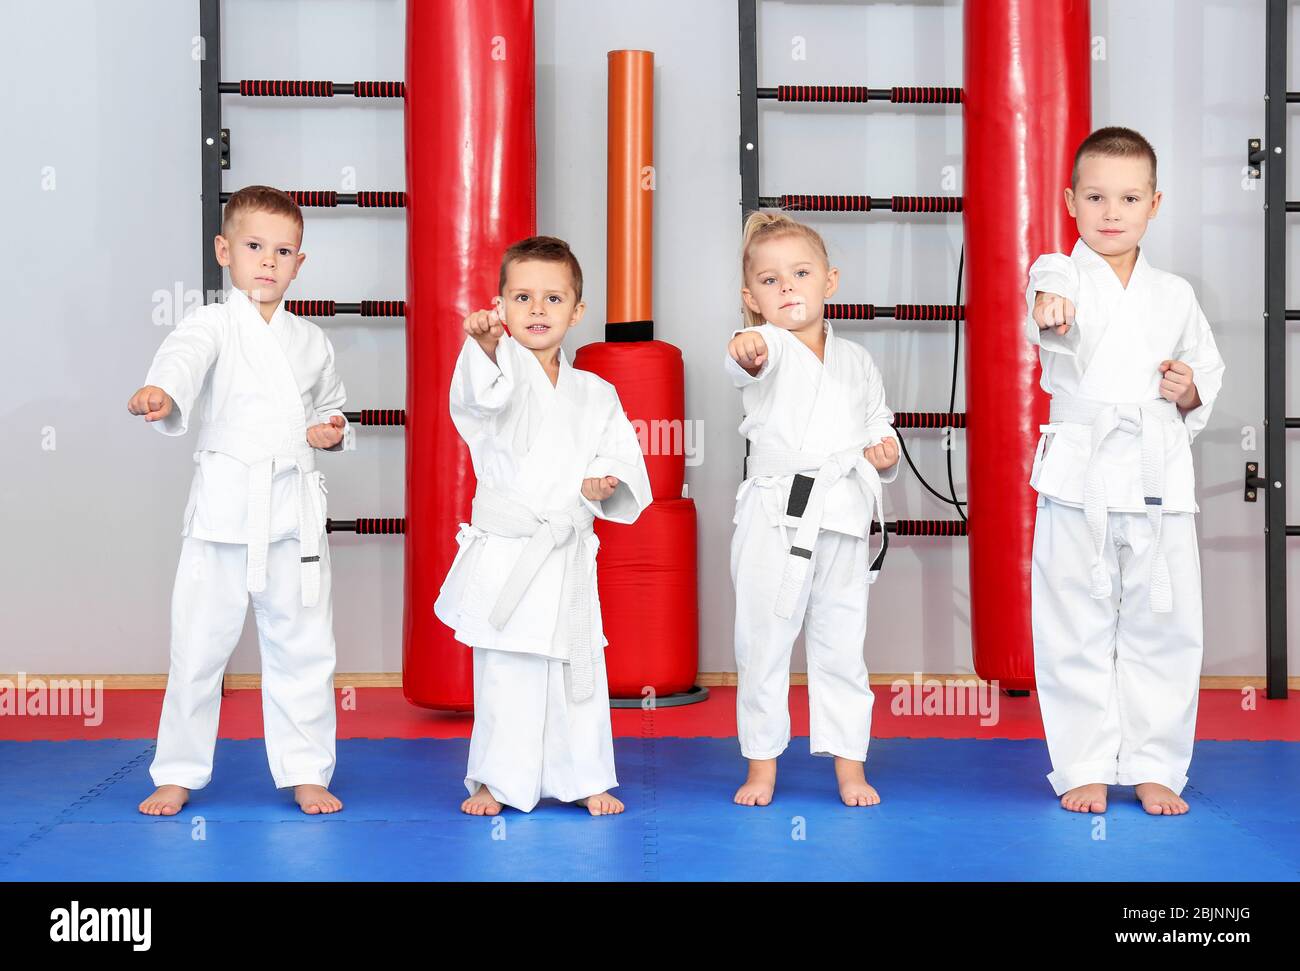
921, 478
951, 499
952, 394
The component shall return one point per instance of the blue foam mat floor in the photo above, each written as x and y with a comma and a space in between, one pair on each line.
952, 809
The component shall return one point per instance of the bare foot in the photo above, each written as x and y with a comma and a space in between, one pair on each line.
316, 799
854, 789
601, 804
165, 801
1086, 799
758, 788
481, 803
1160, 800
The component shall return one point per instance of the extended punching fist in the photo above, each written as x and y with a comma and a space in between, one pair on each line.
749, 351
486, 327
1054, 311
152, 402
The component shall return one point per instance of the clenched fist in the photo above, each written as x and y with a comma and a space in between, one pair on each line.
882, 455
152, 402
486, 327
1054, 311
1176, 385
326, 435
599, 489
749, 351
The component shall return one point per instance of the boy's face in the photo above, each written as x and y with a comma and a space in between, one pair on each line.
539, 303
1113, 202
788, 282
262, 254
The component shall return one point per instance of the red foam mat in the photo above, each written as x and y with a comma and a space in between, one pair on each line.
907, 713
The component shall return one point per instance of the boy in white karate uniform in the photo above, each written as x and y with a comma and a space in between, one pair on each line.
1133, 371
552, 450
823, 442
264, 384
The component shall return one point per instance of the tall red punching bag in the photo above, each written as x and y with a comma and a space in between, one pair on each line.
470, 192
1027, 97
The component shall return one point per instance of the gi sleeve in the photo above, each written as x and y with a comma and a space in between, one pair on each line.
329, 395
619, 454
879, 417
480, 388
742, 378
1201, 354
181, 364
1053, 273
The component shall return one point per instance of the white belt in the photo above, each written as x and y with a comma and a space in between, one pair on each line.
311, 522
495, 514
1146, 419
827, 469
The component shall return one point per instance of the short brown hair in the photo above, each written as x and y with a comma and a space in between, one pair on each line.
1114, 142
260, 198
547, 249
759, 228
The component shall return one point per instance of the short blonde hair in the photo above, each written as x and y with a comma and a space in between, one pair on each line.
763, 226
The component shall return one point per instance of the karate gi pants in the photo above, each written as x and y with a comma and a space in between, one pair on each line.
209, 604
531, 740
834, 603
1117, 684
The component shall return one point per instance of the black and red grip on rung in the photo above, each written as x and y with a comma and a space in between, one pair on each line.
382, 416
383, 308
311, 308
286, 89
925, 95
317, 198
381, 200
379, 89
803, 202
926, 203
825, 203
929, 419
373, 526
822, 92
902, 311
929, 311
924, 527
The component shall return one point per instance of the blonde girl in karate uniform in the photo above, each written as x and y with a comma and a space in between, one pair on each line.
1133, 371
822, 442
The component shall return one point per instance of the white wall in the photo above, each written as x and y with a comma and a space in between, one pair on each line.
105, 97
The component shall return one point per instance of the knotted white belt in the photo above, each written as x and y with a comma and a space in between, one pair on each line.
495, 514
827, 469
311, 521
1147, 420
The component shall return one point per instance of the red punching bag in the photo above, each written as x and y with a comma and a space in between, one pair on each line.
1027, 106
470, 192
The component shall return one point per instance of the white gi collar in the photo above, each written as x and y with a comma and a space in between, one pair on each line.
239, 301
1090, 259
538, 379
826, 348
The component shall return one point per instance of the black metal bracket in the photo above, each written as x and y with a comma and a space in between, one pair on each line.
1253, 481
224, 147
1255, 155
